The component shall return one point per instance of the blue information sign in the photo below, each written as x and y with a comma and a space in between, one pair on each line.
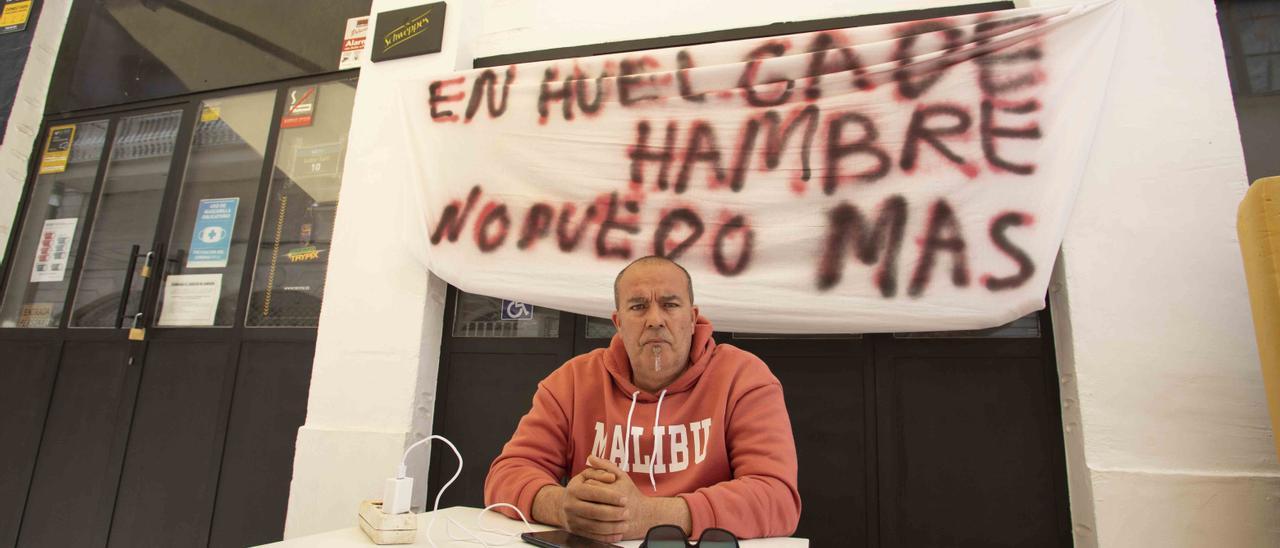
211, 237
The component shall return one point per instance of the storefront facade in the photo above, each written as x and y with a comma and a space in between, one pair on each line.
163, 417
1118, 415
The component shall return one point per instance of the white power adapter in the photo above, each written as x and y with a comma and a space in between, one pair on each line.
389, 521
397, 493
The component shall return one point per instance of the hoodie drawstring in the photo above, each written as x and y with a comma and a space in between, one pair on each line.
626, 444
653, 457
626, 434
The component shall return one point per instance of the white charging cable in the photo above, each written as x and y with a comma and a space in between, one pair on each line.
400, 482
507, 537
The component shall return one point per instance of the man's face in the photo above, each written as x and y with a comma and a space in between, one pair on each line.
655, 319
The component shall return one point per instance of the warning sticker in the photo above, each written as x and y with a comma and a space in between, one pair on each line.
353, 42
15, 15
57, 150
301, 109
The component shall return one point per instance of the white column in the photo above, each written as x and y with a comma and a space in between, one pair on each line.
377, 352
1164, 413
20, 137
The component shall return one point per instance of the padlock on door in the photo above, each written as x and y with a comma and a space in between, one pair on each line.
146, 265
137, 333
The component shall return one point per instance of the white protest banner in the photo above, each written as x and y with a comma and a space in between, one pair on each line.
901, 177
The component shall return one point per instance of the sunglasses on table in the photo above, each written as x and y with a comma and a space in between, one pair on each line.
671, 536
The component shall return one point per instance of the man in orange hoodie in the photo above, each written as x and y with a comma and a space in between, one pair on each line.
662, 427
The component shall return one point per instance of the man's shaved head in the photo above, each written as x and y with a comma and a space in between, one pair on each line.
651, 259
655, 318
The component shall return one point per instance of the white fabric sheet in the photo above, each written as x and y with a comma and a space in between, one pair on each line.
902, 177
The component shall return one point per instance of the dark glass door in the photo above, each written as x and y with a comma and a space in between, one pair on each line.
39, 272
128, 212
54, 225
134, 392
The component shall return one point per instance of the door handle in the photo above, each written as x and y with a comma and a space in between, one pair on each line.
139, 320
128, 284
182, 255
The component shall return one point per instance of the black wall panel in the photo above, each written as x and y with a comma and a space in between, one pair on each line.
175, 446
970, 447
26, 379
825, 383
269, 405
79, 464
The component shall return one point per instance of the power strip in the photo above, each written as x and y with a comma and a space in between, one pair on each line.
384, 528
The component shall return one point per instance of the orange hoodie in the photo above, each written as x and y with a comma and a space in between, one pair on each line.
723, 437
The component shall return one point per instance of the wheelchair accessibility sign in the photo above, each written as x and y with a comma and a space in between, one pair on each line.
516, 310
211, 236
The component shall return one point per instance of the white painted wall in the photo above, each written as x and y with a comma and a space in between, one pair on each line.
20, 137
1167, 435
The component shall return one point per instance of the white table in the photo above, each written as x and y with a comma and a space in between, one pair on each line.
471, 518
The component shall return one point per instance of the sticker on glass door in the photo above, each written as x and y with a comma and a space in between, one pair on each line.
211, 239
57, 150
516, 310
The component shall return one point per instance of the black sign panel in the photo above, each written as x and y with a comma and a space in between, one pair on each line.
408, 32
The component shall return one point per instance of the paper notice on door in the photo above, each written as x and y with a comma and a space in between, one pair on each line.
53, 249
190, 300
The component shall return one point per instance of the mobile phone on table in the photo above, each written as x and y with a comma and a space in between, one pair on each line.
557, 538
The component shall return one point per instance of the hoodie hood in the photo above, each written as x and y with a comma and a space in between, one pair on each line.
701, 347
